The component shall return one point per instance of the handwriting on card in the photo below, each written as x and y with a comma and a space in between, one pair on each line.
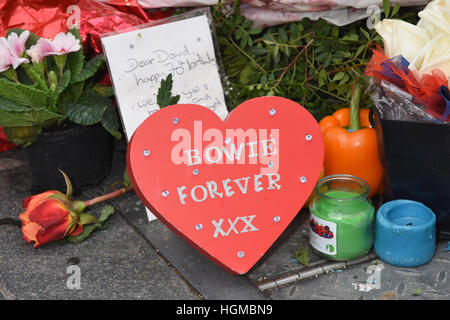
140, 59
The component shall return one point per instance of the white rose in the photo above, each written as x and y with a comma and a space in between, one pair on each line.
402, 38
435, 55
436, 17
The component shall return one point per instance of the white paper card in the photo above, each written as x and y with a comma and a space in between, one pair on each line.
138, 60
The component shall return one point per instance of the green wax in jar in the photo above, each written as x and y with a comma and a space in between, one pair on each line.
353, 216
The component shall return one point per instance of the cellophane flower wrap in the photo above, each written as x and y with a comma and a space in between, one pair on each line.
412, 71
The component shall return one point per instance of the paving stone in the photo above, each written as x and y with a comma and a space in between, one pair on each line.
138, 259
116, 263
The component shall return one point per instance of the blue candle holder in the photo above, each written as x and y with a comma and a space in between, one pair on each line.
405, 233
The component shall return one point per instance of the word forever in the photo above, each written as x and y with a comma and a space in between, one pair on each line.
227, 187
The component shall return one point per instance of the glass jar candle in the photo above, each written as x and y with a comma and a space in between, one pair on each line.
341, 218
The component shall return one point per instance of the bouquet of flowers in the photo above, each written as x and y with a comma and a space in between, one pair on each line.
415, 63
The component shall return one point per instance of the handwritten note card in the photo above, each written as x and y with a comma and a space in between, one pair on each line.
140, 59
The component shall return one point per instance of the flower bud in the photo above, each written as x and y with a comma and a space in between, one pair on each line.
47, 218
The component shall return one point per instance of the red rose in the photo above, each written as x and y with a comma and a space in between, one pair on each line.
47, 218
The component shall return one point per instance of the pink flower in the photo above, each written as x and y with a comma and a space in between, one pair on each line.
5, 55
17, 47
62, 44
41, 49
35, 52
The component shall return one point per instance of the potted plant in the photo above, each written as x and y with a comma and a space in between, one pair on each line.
411, 114
52, 104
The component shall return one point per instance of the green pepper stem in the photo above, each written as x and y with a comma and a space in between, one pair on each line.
354, 108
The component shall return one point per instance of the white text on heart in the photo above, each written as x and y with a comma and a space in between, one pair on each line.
227, 187
246, 219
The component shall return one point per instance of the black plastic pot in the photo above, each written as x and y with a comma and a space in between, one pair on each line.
83, 153
416, 158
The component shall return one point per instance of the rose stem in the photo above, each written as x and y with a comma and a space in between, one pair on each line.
112, 195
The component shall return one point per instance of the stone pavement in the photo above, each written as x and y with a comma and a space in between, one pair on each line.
137, 259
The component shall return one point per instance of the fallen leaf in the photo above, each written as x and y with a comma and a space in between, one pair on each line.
302, 255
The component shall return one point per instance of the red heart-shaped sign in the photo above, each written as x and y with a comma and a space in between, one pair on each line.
229, 188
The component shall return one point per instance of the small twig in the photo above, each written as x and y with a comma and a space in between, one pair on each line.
306, 68
292, 63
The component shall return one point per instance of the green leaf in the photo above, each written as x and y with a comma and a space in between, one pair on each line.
22, 135
8, 105
322, 77
106, 212
344, 79
283, 35
82, 114
245, 74
255, 31
244, 40
276, 54
302, 255
104, 91
257, 50
365, 33
102, 223
360, 50
87, 230
22, 94
72, 93
110, 122
164, 97
36, 76
335, 32
247, 24
30, 118
89, 70
350, 37
338, 76
75, 60
238, 34
86, 218
92, 98
386, 7
395, 10
89, 109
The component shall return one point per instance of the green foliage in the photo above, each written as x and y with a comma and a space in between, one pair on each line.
311, 62
38, 95
164, 97
93, 223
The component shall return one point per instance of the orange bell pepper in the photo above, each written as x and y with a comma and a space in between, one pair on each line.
351, 145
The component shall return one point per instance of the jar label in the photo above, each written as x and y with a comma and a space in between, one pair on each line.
323, 235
